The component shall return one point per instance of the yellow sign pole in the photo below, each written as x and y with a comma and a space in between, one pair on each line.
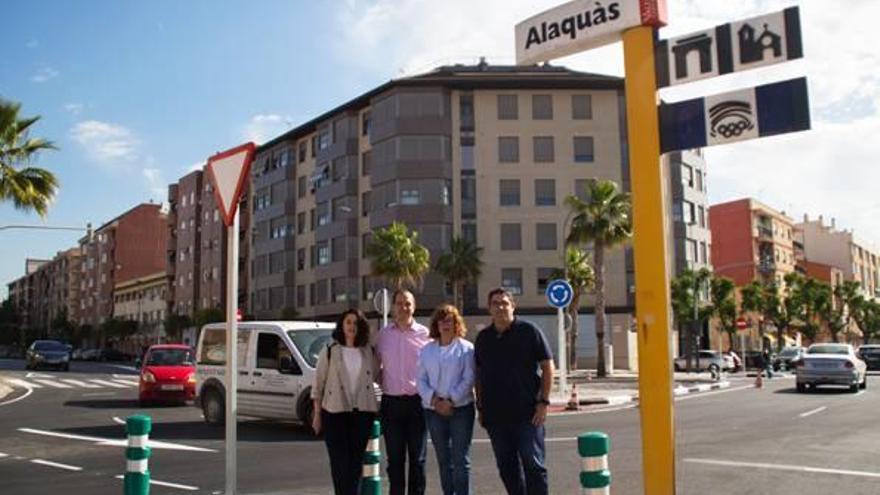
652, 279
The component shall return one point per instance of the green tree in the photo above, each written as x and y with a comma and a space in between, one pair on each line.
202, 317
62, 328
579, 273
867, 318
29, 188
782, 309
809, 293
722, 293
687, 309
838, 308
397, 256
175, 324
461, 265
10, 321
118, 329
604, 221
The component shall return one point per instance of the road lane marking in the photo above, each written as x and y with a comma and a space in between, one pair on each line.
108, 384
99, 394
80, 383
127, 383
784, 467
57, 465
119, 420
165, 483
22, 383
814, 411
714, 392
112, 442
38, 375
2, 455
51, 383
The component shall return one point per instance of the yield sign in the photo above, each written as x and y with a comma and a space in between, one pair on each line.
228, 172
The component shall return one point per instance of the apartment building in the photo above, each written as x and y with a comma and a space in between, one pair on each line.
484, 152
143, 300
49, 289
126, 248
197, 246
751, 241
691, 234
855, 258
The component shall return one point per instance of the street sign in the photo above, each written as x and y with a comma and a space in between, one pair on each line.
741, 323
228, 173
732, 47
581, 25
750, 113
559, 293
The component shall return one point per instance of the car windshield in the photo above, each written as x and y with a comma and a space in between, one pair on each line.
788, 352
170, 357
829, 349
50, 346
310, 342
874, 351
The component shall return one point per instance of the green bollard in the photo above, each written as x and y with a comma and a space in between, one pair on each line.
371, 482
593, 448
137, 475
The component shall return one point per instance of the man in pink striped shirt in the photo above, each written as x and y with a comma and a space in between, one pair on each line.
403, 420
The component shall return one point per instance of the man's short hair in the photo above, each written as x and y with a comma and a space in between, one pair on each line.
399, 292
499, 291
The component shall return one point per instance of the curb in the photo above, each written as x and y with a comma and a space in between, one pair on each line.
4, 389
618, 400
681, 390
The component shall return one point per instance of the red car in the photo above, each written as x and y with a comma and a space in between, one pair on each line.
167, 374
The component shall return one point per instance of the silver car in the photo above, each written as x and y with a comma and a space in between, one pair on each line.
709, 361
831, 364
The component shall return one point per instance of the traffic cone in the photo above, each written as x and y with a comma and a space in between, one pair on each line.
573, 403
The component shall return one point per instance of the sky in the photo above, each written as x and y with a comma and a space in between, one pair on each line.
136, 94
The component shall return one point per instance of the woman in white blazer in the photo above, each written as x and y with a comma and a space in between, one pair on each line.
344, 399
446, 386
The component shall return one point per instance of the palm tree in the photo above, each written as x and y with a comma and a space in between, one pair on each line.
605, 221
460, 265
580, 275
686, 307
29, 188
396, 255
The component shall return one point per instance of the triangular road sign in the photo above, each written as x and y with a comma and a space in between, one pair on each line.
228, 172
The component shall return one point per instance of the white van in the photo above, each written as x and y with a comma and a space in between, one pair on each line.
276, 369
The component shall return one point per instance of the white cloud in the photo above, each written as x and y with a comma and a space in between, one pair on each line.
827, 170
155, 183
74, 108
44, 74
106, 143
263, 127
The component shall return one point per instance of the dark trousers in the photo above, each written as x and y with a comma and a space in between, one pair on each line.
346, 436
519, 454
403, 423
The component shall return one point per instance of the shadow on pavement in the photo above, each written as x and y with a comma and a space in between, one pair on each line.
816, 391
120, 404
248, 431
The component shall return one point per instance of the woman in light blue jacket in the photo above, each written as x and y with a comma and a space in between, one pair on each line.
446, 386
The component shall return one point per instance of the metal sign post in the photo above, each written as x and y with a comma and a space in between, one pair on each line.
228, 172
559, 294
380, 304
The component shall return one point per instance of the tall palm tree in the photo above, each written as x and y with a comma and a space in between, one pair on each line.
396, 255
460, 265
29, 188
605, 221
580, 275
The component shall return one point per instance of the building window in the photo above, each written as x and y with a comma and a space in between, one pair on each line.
545, 237
508, 107
301, 187
323, 139
581, 107
366, 203
469, 232
366, 159
365, 124
542, 107
511, 279
337, 245
545, 192
467, 157
409, 196
511, 237
323, 253
508, 192
699, 180
691, 250
545, 275
543, 149
301, 222
508, 149
302, 151
687, 175
312, 220
702, 216
583, 149
690, 216
301, 259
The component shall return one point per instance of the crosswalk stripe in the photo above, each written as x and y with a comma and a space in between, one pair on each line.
23, 383
108, 384
80, 383
127, 383
51, 383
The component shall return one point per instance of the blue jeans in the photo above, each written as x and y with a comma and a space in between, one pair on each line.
452, 443
519, 453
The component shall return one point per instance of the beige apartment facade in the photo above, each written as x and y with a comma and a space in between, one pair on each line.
842, 249
142, 300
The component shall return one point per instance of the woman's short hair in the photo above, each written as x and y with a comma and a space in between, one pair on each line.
440, 314
362, 337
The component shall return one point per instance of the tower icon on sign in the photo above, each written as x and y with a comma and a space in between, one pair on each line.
752, 49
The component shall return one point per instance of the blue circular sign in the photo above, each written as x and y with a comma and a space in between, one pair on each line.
559, 293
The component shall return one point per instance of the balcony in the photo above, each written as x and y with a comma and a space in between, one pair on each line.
765, 232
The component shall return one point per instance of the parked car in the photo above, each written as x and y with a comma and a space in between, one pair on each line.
276, 368
167, 374
831, 364
47, 353
708, 361
870, 354
787, 356
110, 354
90, 354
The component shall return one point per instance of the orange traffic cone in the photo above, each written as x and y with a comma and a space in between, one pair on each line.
573, 403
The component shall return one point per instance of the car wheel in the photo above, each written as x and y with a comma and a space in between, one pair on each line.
864, 384
66, 367
801, 387
714, 369
213, 408
854, 387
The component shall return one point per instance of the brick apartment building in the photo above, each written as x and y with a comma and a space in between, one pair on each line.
49, 288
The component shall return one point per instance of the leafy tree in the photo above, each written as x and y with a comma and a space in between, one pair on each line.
118, 329
204, 316
686, 307
838, 306
29, 188
722, 294
579, 273
781, 308
752, 296
604, 221
396, 255
461, 265
175, 324
9, 324
867, 317
810, 294
62, 328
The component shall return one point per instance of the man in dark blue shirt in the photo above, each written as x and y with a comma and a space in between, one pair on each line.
512, 395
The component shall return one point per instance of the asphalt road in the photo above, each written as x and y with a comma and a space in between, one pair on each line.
738, 441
